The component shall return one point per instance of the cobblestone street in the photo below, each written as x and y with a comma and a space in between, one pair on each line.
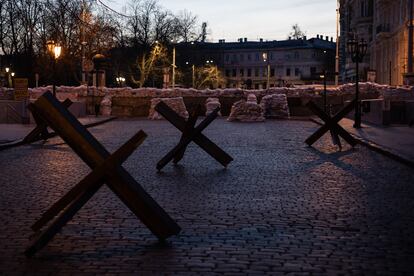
279, 208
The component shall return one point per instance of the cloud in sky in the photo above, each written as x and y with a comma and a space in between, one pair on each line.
268, 19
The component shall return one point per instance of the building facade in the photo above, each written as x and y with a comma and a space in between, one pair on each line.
384, 25
262, 64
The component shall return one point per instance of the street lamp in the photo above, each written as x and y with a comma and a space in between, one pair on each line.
357, 49
193, 72
266, 59
55, 50
8, 76
323, 77
12, 74
121, 81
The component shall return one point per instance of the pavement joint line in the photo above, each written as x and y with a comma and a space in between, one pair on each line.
375, 147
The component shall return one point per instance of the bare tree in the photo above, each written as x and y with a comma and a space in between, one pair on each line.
296, 32
186, 26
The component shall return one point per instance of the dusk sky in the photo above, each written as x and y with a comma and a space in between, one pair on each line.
268, 19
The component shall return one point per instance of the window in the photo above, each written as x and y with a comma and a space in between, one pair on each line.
256, 72
241, 72
249, 57
227, 58
272, 72
234, 73
257, 56
288, 72
271, 56
249, 72
241, 57
297, 72
313, 71
227, 73
296, 55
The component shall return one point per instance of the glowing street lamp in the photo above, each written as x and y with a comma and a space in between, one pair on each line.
121, 81
265, 56
193, 73
357, 50
56, 51
8, 76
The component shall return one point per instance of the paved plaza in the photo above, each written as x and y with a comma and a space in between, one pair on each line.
280, 208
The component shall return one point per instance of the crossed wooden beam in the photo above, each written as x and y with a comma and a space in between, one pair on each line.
106, 168
40, 132
191, 133
331, 124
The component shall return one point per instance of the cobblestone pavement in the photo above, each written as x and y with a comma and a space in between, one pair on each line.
280, 208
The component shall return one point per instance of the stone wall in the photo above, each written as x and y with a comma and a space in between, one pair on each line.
128, 102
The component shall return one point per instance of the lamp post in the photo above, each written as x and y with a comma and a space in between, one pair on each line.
193, 73
266, 59
121, 81
357, 49
323, 76
12, 74
8, 77
55, 51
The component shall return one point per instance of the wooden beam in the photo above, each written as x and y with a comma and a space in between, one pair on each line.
93, 154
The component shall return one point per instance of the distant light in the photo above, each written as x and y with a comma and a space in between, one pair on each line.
57, 51
187, 63
264, 57
7, 69
12, 74
192, 43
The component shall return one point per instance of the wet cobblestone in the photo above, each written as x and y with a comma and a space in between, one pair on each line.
280, 208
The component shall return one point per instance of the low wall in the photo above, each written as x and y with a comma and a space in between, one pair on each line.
128, 102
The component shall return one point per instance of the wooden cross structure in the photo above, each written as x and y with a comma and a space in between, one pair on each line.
191, 133
331, 124
106, 168
41, 132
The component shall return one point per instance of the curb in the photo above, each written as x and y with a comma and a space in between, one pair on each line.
377, 148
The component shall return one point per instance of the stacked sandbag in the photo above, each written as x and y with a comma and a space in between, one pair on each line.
176, 104
275, 106
211, 105
247, 111
106, 105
